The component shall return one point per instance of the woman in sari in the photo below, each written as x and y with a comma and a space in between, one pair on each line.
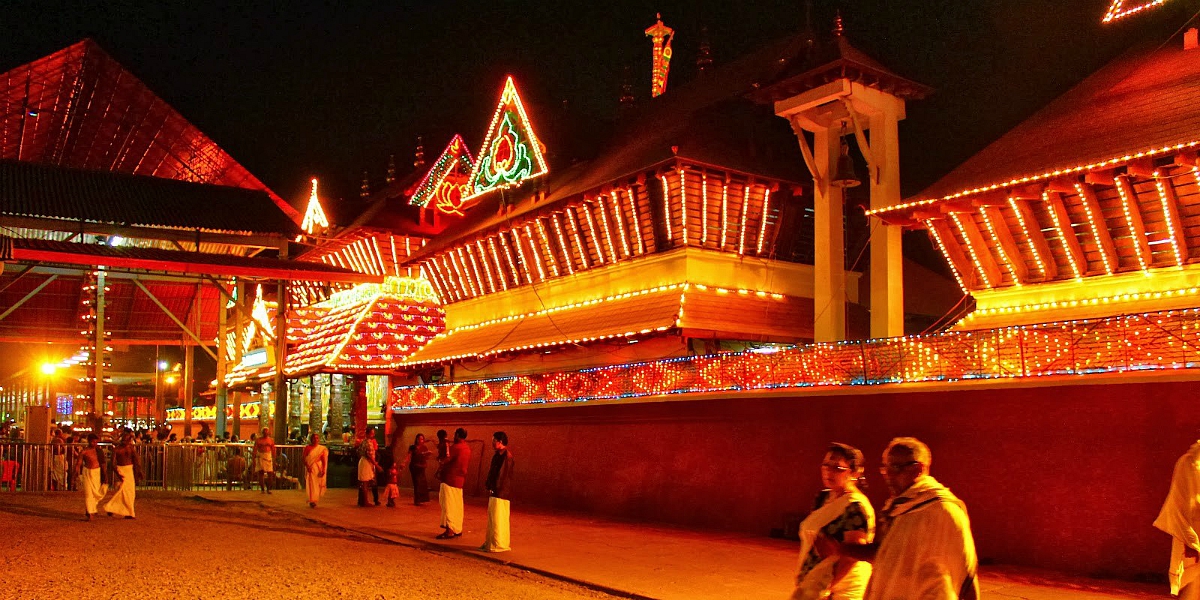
316, 463
843, 514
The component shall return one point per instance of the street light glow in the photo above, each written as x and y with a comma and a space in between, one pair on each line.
49, 368
162, 365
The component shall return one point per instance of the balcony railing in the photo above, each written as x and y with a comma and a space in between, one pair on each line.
1137, 342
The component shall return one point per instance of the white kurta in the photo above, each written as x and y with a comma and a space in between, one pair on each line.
451, 499
93, 491
121, 504
927, 551
497, 529
1179, 516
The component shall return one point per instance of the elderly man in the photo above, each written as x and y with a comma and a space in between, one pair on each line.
924, 548
1180, 519
264, 460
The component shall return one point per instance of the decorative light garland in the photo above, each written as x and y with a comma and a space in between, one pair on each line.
1168, 208
475, 268
1062, 236
314, 215
584, 259
591, 223
704, 207
762, 226
511, 153
744, 210
1085, 200
1118, 10
608, 236
1008, 261
637, 220
983, 275
562, 243
545, 245
1039, 177
724, 212
487, 268
616, 206
1037, 256
666, 194
496, 259
533, 248
942, 246
1127, 343
683, 206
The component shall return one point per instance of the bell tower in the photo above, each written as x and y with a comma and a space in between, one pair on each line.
827, 90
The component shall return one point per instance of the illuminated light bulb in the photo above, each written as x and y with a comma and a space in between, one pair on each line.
637, 219
762, 226
703, 207
666, 193
496, 260
487, 269
683, 206
616, 206
591, 223
1126, 193
608, 236
537, 256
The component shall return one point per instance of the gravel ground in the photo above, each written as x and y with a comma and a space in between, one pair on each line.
183, 548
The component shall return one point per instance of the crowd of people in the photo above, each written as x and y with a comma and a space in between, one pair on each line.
378, 469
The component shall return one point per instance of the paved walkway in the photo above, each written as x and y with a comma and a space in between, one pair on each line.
639, 560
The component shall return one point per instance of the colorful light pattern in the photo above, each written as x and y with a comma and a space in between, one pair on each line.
511, 153
661, 37
314, 215
247, 410
1130, 343
1121, 8
444, 181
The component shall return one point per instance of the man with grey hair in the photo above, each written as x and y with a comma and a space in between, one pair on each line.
924, 547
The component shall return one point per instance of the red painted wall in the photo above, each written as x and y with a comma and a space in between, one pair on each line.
1066, 477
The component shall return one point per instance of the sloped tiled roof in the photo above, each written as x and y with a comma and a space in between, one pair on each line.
80, 108
1147, 99
54, 192
374, 334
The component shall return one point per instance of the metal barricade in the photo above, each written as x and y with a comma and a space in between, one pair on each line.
50, 467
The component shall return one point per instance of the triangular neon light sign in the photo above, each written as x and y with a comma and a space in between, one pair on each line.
444, 183
1121, 8
511, 153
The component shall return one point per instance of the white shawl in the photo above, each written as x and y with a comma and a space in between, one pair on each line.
1179, 516
817, 580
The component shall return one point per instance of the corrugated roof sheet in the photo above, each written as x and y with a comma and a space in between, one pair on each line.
1146, 99
47, 191
80, 108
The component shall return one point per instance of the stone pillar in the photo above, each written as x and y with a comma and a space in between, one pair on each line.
265, 394
829, 268
222, 364
337, 399
315, 420
887, 258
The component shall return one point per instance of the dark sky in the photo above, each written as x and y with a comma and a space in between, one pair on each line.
294, 89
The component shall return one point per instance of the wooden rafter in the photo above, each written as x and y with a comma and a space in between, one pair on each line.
1005, 242
1099, 228
1131, 207
1173, 223
1042, 256
1066, 232
959, 263
977, 248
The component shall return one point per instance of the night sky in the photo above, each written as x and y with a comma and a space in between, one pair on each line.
313, 90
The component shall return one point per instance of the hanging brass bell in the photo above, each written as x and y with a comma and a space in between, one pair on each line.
844, 176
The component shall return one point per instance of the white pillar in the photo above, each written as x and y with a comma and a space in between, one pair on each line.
829, 266
887, 257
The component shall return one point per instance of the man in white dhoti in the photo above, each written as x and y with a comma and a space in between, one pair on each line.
90, 465
925, 548
453, 475
316, 464
264, 460
499, 485
1179, 518
129, 471
58, 464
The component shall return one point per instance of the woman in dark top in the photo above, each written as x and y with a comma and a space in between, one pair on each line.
842, 513
418, 458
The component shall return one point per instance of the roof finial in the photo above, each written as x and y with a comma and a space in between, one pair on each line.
419, 157
365, 190
838, 27
391, 170
704, 57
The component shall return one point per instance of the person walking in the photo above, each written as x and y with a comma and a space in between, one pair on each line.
842, 513
91, 462
499, 485
264, 460
926, 549
58, 463
316, 464
453, 475
1180, 519
129, 471
368, 467
418, 461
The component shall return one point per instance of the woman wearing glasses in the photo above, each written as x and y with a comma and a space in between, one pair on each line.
842, 513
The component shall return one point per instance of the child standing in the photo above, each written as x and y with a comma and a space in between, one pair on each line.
392, 491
